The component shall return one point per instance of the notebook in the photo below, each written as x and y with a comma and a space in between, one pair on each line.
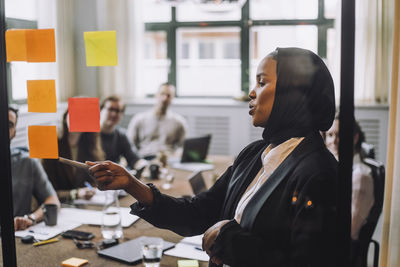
129, 252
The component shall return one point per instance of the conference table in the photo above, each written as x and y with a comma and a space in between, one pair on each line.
53, 254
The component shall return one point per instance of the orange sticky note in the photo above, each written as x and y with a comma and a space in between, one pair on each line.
74, 262
15, 45
43, 142
84, 114
40, 45
42, 96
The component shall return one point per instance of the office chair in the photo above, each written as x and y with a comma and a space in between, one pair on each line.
361, 246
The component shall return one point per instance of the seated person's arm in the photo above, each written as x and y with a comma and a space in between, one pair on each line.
79, 193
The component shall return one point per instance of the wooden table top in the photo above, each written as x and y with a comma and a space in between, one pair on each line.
53, 254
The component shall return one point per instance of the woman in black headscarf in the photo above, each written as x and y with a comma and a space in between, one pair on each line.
275, 206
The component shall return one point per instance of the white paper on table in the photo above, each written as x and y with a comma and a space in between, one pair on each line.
41, 231
98, 199
190, 248
192, 166
187, 251
93, 217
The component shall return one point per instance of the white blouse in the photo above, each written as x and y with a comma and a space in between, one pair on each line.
271, 158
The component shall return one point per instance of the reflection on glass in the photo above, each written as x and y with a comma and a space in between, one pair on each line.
206, 55
265, 39
156, 64
155, 11
283, 9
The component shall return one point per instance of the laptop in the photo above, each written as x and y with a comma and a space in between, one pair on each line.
129, 252
195, 151
197, 183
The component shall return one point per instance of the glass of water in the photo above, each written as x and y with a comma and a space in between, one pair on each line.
111, 227
152, 249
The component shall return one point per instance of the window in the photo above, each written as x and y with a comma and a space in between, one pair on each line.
265, 39
283, 9
212, 67
156, 64
226, 45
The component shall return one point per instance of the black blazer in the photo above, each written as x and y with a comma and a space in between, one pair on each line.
290, 221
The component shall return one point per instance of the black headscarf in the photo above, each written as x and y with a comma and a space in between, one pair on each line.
304, 97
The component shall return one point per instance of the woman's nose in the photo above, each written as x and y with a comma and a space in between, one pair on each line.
252, 94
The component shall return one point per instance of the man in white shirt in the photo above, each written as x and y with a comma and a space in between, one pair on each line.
158, 129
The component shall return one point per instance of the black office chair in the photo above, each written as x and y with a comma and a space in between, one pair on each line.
361, 246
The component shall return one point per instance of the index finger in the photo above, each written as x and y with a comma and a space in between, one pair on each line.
99, 166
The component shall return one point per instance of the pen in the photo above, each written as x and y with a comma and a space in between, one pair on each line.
74, 163
198, 248
45, 242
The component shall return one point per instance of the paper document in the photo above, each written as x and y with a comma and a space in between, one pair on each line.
192, 166
41, 231
93, 217
190, 248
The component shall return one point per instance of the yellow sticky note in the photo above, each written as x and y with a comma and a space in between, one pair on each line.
42, 96
43, 142
188, 263
101, 48
74, 262
16, 45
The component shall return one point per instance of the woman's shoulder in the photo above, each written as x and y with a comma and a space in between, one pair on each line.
251, 149
317, 162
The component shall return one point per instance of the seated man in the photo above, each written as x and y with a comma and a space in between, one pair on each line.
113, 138
158, 129
28, 179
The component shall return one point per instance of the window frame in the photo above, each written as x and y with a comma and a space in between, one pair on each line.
245, 24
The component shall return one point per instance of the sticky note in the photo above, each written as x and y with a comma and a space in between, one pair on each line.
84, 114
74, 262
40, 45
101, 48
42, 96
43, 142
188, 263
15, 45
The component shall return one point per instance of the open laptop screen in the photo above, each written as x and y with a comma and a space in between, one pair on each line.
197, 183
196, 149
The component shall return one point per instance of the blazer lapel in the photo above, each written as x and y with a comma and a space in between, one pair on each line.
240, 183
285, 168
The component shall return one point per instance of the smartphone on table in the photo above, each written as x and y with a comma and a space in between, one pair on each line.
80, 235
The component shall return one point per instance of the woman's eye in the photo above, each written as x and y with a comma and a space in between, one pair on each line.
261, 84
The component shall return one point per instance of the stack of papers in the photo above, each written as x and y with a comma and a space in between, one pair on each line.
189, 248
70, 218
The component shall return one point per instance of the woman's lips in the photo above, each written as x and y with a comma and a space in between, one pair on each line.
252, 110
